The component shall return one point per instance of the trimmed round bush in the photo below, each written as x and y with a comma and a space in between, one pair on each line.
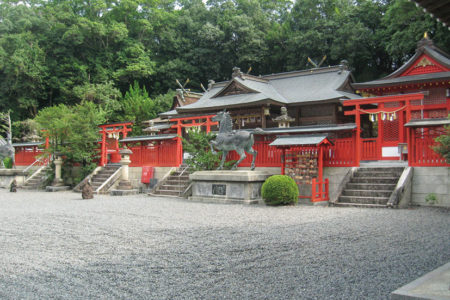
279, 190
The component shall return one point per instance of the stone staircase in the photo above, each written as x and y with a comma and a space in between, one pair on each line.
370, 187
106, 172
37, 181
175, 184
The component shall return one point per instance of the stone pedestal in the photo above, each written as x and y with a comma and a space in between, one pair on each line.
8, 175
124, 187
240, 186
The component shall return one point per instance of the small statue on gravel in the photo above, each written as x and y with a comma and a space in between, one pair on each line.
13, 186
87, 192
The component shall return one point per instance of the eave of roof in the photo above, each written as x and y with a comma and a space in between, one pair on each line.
403, 80
311, 128
27, 144
427, 122
299, 140
438, 9
148, 138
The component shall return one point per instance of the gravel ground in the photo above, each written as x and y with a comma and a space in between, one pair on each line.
54, 245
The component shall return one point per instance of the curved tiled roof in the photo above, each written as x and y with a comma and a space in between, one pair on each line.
322, 84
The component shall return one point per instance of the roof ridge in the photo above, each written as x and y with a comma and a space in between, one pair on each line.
304, 72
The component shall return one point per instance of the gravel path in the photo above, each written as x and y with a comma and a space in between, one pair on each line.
54, 245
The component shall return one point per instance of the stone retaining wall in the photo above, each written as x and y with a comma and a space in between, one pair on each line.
428, 180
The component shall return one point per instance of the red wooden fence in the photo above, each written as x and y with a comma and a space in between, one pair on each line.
340, 154
25, 156
267, 156
369, 149
162, 154
421, 153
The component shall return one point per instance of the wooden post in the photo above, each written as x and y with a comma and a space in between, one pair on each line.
103, 149
208, 124
283, 162
320, 171
179, 145
358, 135
401, 129
380, 132
263, 118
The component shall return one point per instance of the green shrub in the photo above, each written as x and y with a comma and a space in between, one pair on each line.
431, 199
279, 190
8, 162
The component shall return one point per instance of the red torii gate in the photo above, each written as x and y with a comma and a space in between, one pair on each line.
197, 121
110, 140
405, 103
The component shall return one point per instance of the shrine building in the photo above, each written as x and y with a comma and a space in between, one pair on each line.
317, 124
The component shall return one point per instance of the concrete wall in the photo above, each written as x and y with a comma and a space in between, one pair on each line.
428, 180
335, 176
136, 172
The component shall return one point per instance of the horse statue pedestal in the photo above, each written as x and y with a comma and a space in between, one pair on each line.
241, 186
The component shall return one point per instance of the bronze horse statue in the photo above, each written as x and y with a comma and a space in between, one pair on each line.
227, 140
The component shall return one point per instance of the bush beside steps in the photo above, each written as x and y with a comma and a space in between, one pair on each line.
279, 190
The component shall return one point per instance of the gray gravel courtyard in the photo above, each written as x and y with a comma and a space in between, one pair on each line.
54, 245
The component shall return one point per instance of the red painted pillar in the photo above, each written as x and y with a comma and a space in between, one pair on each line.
179, 145
358, 135
401, 122
283, 162
103, 149
208, 125
320, 172
380, 132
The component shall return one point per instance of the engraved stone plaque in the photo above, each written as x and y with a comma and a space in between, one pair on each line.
219, 189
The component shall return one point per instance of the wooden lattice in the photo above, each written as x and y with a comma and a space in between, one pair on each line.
301, 164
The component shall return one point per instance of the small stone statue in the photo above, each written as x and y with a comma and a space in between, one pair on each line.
87, 192
13, 187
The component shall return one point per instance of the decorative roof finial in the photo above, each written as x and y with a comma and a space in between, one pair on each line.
425, 41
236, 72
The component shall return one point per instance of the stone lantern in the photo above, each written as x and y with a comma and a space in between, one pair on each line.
284, 119
124, 187
58, 183
151, 129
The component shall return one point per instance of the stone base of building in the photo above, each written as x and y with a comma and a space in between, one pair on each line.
241, 186
59, 188
123, 192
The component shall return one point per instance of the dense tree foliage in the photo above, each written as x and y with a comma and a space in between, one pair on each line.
73, 134
67, 51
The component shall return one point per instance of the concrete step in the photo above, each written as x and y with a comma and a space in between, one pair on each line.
379, 169
183, 177
360, 205
376, 174
101, 177
363, 200
172, 187
167, 192
367, 193
176, 182
371, 186
378, 180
